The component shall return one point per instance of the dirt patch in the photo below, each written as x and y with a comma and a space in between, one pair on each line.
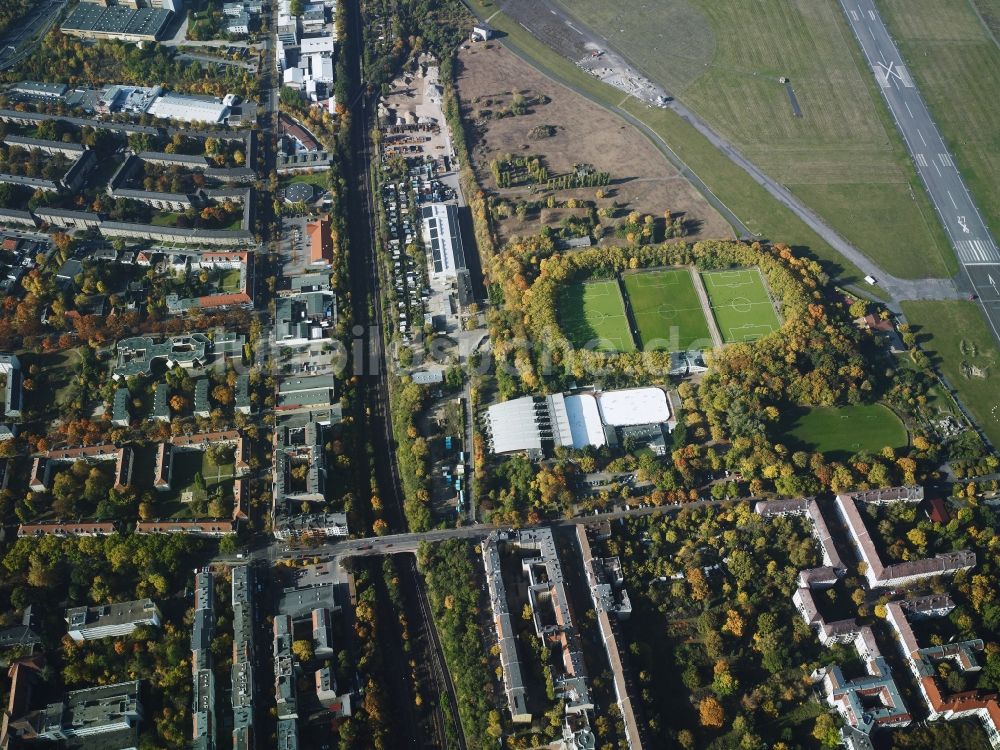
565, 130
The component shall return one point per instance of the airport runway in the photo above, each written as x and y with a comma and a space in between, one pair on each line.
974, 245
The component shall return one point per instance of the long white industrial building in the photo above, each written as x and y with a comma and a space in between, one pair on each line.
534, 423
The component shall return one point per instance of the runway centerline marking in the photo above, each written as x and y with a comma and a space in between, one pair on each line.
955, 205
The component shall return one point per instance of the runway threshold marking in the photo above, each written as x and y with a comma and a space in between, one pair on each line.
976, 252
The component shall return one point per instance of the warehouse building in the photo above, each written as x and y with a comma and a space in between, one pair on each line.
190, 108
443, 237
539, 424
93, 21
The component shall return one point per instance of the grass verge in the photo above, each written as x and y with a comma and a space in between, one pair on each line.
956, 337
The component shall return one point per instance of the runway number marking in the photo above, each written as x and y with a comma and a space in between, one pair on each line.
961, 222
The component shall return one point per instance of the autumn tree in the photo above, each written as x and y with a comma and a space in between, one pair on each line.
710, 713
303, 650
826, 730
734, 623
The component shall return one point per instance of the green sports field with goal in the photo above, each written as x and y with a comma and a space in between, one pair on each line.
592, 315
740, 304
667, 310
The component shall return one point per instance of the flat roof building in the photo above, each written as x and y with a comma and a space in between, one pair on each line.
538, 424
287, 735
107, 620
136, 356
91, 712
284, 668
633, 406
117, 22
39, 90
189, 109
243, 657
10, 366
120, 411
311, 524
202, 407
203, 677
161, 409
443, 238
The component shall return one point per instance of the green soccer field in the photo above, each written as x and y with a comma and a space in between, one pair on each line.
740, 304
842, 431
594, 312
667, 310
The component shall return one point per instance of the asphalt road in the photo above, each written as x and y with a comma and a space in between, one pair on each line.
392, 544
974, 245
23, 37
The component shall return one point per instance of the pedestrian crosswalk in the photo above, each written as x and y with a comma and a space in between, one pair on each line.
977, 251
